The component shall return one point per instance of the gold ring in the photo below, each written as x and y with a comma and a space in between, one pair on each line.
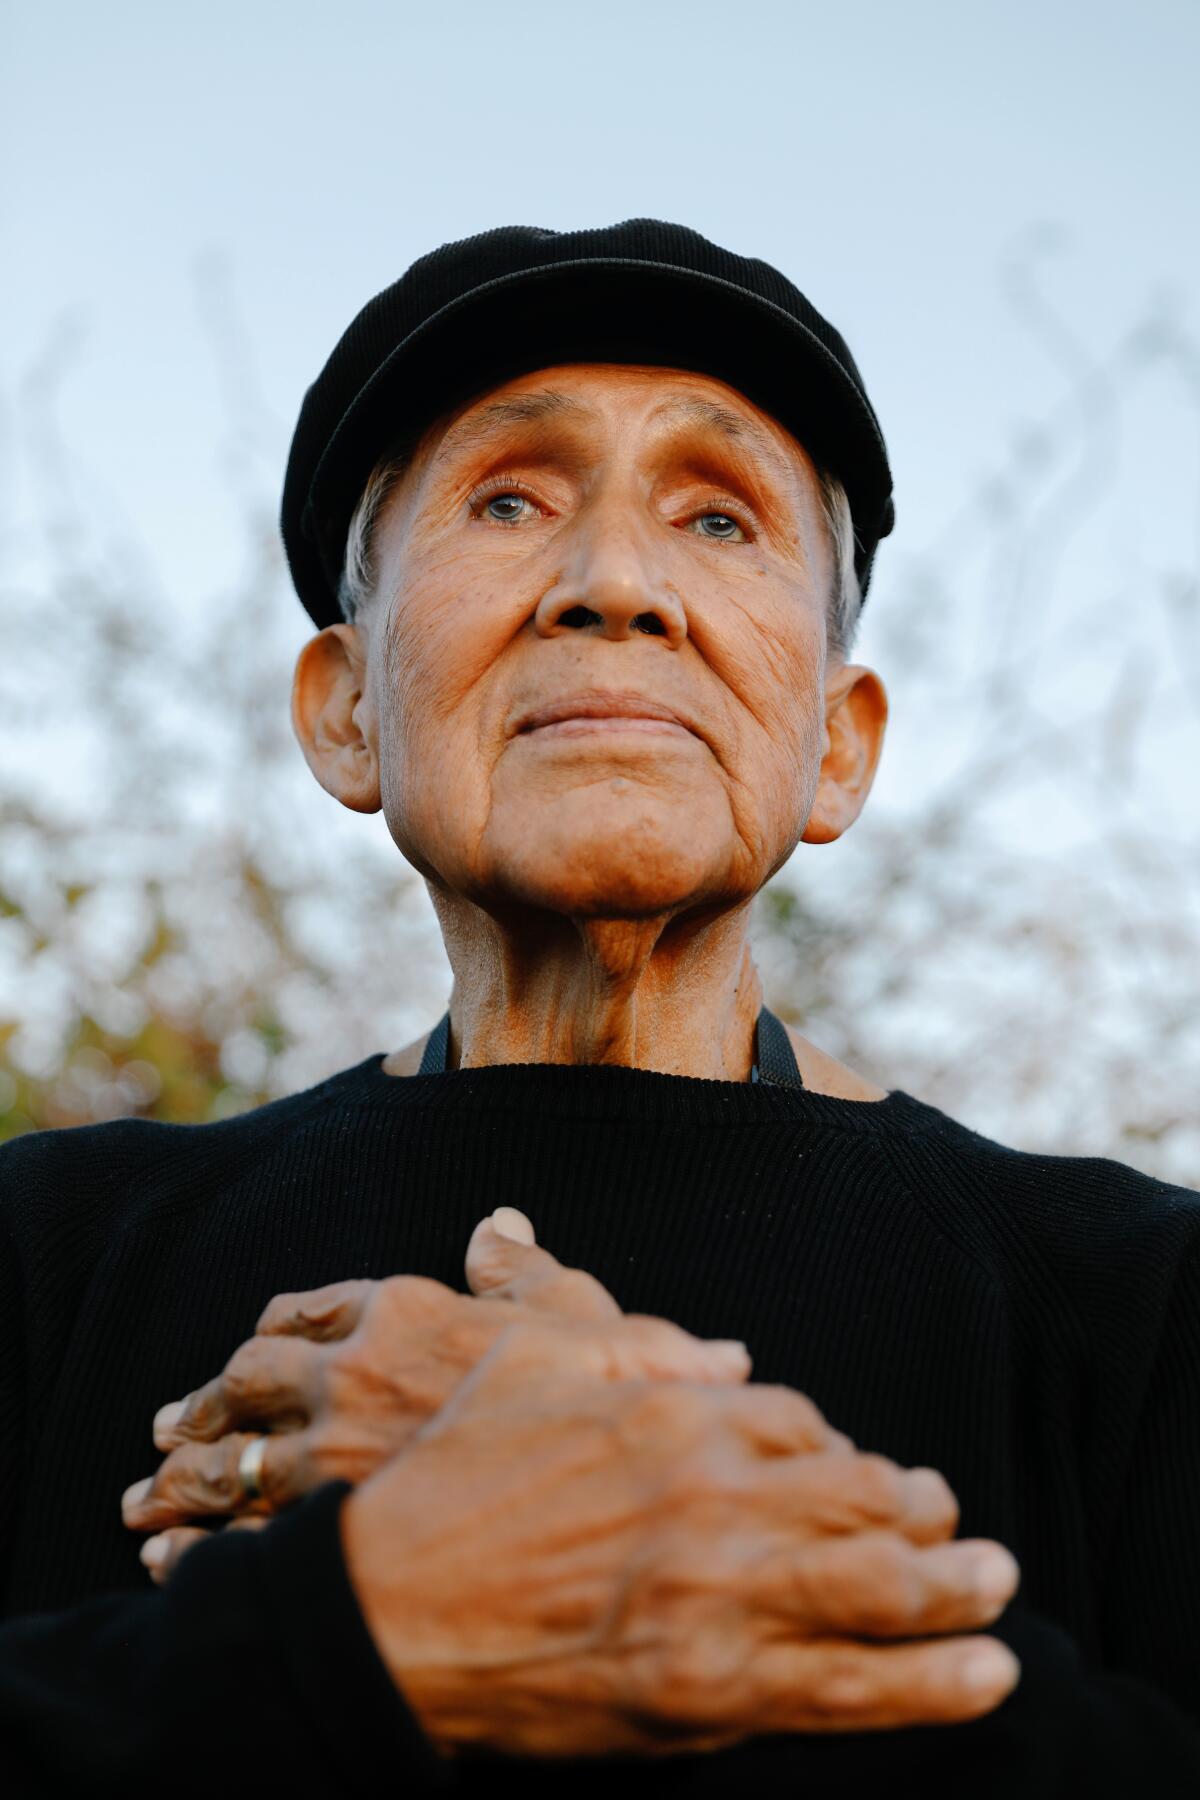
250, 1464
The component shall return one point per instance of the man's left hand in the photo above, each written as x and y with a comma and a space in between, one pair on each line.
341, 1378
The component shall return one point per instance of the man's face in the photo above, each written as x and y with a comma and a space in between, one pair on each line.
595, 658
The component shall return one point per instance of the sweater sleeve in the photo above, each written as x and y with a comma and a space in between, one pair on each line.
252, 1672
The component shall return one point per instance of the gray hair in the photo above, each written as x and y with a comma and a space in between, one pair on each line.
358, 567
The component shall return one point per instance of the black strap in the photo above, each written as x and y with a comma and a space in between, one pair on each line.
437, 1049
774, 1059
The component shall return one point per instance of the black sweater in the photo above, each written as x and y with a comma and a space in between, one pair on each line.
1028, 1325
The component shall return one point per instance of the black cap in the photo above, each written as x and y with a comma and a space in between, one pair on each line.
488, 308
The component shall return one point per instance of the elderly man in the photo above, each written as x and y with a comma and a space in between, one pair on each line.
585, 521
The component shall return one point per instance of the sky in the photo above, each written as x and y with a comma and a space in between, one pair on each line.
197, 201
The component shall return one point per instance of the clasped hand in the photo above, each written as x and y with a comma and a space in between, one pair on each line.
576, 1532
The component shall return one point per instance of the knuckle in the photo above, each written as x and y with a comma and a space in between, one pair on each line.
159, 1489
780, 1418
528, 1349
930, 1492
665, 1412
571, 1283
408, 1298
659, 1343
215, 1478
586, 1287
317, 1314
570, 1291
198, 1477
490, 1261
841, 1686
889, 1591
246, 1372
690, 1685
470, 1329
278, 1308
318, 1451
880, 1485
200, 1411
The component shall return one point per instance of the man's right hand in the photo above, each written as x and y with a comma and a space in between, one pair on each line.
562, 1567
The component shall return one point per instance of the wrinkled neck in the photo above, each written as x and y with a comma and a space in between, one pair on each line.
676, 995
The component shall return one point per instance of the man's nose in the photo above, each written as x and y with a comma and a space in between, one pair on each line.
610, 586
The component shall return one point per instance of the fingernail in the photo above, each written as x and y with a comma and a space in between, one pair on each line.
731, 1354
991, 1666
133, 1496
166, 1419
507, 1222
994, 1577
154, 1551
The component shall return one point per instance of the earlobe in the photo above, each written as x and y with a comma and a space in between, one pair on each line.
327, 714
856, 710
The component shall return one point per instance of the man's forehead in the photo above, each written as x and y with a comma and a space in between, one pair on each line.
577, 394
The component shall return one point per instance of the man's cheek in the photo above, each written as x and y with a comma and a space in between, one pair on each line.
434, 784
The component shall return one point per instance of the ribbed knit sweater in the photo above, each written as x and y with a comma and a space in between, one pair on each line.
1029, 1325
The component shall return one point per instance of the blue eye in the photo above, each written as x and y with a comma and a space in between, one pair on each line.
506, 508
719, 525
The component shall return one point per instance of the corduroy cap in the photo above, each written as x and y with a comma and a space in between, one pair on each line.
481, 311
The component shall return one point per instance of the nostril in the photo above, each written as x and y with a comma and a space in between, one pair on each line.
651, 624
578, 617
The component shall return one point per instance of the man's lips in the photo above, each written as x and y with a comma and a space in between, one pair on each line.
583, 713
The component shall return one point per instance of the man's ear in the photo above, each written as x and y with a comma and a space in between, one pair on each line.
856, 709
331, 717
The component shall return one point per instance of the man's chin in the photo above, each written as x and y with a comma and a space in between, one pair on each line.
635, 872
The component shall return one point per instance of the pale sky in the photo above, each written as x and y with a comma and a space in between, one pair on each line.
293, 158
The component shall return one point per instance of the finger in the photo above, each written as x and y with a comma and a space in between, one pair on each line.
162, 1555
502, 1268
878, 1585
842, 1490
199, 1481
531, 1359
267, 1381
322, 1314
931, 1511
778, 1421
647, 1349
507, 1222
843, 1686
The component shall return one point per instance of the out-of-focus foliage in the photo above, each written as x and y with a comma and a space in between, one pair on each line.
188, 927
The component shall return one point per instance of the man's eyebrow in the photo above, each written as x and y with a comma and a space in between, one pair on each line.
707, 413
548, 403
517, 409
710, 415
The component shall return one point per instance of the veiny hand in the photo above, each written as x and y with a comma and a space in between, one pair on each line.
343, 1376
561, 1567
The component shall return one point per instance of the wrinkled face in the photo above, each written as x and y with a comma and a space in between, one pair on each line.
595, 657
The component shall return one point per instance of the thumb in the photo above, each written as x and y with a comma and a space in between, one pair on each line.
503, 1265
507, 1223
